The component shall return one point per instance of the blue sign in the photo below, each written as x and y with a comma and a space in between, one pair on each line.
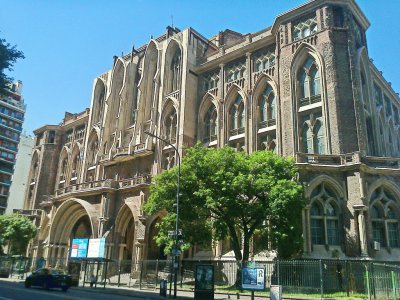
253, 279
79, 248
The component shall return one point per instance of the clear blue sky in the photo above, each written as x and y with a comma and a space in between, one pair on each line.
67, 43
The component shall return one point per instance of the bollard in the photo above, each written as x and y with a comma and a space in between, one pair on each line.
163, 288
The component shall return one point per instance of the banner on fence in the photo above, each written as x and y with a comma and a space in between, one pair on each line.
253, 279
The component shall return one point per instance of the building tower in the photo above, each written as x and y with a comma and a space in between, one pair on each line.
12, 111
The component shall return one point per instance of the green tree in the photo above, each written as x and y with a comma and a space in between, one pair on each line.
8, 56
229, 194
16, 231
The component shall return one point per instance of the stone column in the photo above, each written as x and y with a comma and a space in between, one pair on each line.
249, 140
221, 111
362, 232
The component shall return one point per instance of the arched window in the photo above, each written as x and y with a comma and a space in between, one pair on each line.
75, 166
305, 28
237, 116
210, 125
267, 108
63, 169
313, 135
170, 127
317, 224
319, 134
384, 218
175, 71
93, 148
309, 83
324, 215
315, 81
307, 138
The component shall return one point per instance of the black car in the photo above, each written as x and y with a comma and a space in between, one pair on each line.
49, 278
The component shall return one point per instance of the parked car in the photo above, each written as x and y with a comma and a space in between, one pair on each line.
49, 278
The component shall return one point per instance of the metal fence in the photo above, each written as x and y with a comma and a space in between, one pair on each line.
322, 278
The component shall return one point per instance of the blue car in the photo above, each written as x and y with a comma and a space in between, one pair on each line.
49, 278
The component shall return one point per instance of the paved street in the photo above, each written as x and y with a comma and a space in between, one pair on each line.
17, 291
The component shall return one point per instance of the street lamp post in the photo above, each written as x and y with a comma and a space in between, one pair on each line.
175, 249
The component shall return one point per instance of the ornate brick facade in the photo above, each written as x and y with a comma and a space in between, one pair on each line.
304, 87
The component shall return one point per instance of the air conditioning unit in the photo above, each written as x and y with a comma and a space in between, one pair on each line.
376, 246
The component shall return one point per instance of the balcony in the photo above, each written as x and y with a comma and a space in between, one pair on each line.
6, 170
213, 91
9, 137
5, 181
267, 123
9, 148
86, 188
348, 159
140, 180
239, 82
27, 212
209, 139
381, 162
236, 131
324, 159
309, 100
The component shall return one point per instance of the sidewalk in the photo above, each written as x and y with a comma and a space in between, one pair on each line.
154, 293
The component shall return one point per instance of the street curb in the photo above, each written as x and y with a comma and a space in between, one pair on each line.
126, 292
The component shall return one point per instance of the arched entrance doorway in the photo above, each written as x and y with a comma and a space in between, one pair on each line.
75, 218
125, 228
153, 250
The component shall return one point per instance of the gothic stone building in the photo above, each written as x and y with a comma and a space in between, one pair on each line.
304, 87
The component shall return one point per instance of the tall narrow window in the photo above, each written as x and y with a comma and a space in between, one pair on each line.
175, 71
309, 81
384, 218
324, 216
315, 82
319, 138
317, 228
237, 116
267, 107
307, 139
171, 127
210, 125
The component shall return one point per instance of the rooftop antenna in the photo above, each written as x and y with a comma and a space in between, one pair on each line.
172, 21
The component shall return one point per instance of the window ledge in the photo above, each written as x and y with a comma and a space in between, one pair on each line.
310, 106
236, 137
265, 129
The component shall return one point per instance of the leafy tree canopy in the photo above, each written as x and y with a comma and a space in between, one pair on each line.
228, 194
8, 56
16, 230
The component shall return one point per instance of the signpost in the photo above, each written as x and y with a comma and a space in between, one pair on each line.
253, 279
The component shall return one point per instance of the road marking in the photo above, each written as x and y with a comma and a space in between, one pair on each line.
37, 291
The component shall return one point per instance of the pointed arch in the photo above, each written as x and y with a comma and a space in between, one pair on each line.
208, 118
169, 121
173, 66
99, 97
335, 185
76, 160
147, 83
66, 216
63, 163
93, 146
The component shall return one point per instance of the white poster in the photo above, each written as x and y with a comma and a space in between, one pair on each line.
96, 248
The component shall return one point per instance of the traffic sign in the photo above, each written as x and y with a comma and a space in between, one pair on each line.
173, 232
